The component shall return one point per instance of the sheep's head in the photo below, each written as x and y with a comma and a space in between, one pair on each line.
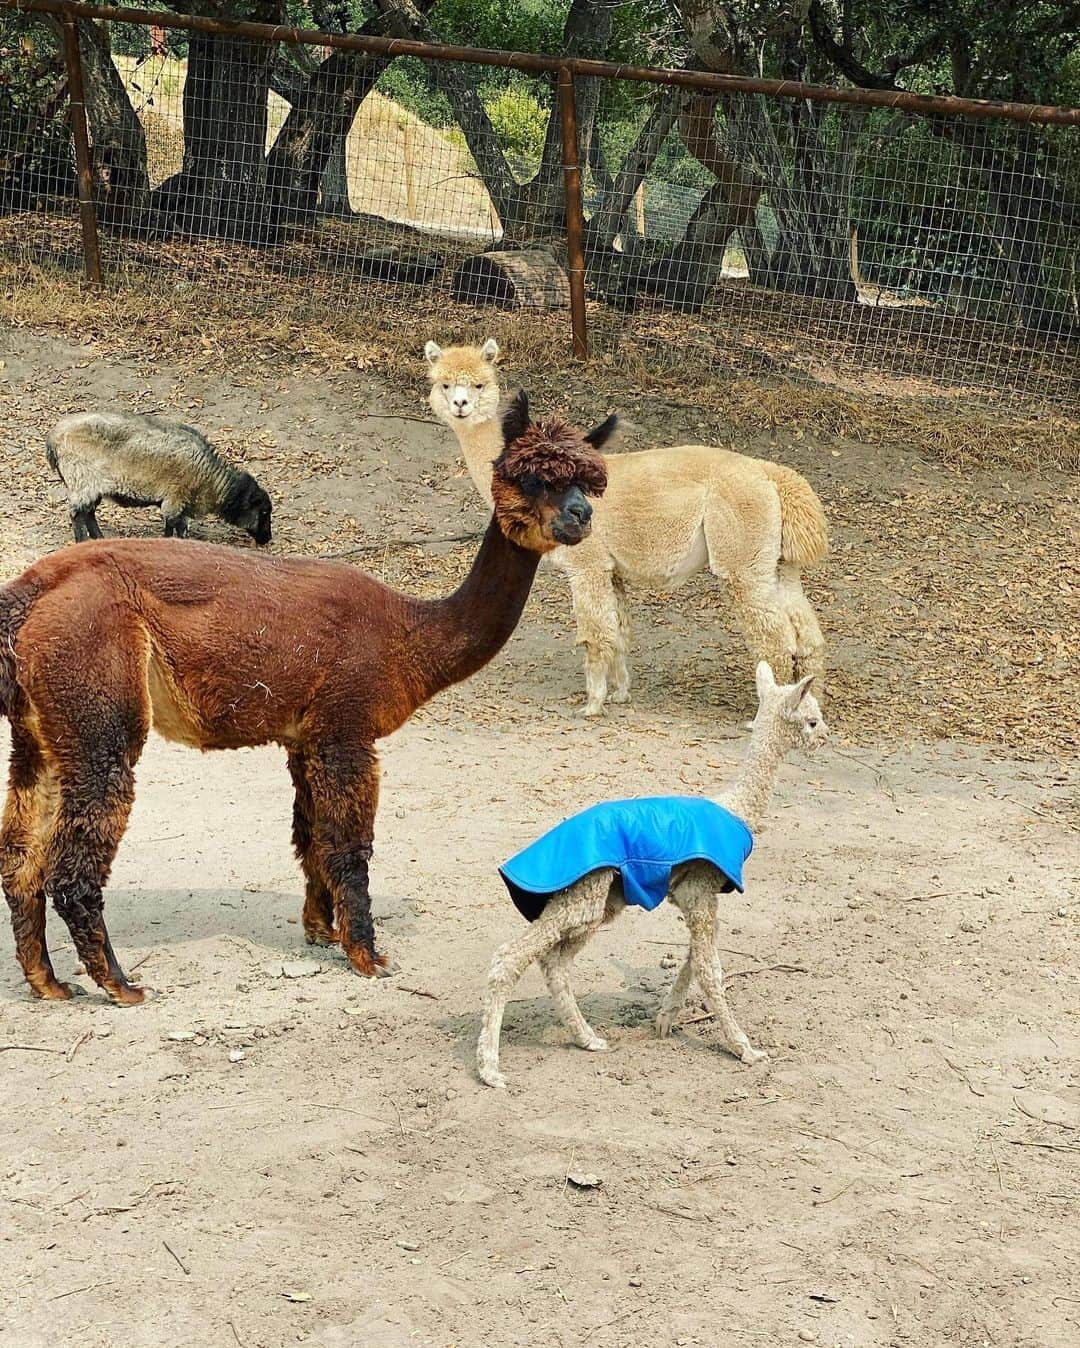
464, 383
542, 478
247, 506
793, 706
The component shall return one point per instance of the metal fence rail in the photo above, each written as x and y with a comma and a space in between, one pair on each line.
895, 241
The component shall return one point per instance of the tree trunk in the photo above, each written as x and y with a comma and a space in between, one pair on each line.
221, 189
334, 189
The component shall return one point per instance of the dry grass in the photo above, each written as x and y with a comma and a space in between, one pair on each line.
259, 323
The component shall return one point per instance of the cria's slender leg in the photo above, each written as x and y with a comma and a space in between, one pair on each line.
344, 783
705, 961
566, 913
556, 966
318, 914
28, 815
675, 999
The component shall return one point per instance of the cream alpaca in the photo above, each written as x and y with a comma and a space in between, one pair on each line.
787, 716
667, 514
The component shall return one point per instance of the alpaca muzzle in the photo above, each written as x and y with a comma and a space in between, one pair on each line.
574, 522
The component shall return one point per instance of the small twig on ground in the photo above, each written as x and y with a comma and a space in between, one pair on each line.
1054, 1123
86, 1034
29, 1048
879, 779
90, 1287
569, 1167
963, 1076
177, 1257
419, 992
938, 894
417, 542
817, 1202
235, 1335
997, 1166
681, 1212
139, 963
343, 1109
1044, 1146
606, 1324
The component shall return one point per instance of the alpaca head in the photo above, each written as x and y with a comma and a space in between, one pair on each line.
542, 477
791, 706
464, 383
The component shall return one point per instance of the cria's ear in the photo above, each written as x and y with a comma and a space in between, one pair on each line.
600, 435
490, 349
515, 420
432, 351
763, 678
800, 691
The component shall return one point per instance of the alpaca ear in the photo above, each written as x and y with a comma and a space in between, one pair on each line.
515, 420
433, 351
600, 435
764, 678
490, 350
800, 691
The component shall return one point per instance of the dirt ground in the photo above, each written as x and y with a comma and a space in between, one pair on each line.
257, 1159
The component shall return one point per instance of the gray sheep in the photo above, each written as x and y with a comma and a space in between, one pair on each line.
142, 461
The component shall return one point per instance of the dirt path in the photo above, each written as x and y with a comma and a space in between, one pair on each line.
903, 1171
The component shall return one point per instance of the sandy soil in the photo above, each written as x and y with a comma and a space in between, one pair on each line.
258, 1159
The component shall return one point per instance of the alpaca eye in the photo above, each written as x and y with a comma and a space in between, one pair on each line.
479, 388
446, 388
812, 725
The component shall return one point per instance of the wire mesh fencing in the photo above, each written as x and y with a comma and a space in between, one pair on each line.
707, 227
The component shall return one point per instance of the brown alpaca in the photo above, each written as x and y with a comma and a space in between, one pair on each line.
220, 649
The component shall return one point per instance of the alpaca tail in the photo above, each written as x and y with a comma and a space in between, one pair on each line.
804, 533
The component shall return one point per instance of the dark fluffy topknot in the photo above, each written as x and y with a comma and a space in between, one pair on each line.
551, 450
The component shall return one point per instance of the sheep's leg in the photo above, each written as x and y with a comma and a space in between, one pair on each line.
28, 814
620, 669
674, 1000
344, 784
809, 641
596, 614
318, 914
84, 523
700, 912
556, 966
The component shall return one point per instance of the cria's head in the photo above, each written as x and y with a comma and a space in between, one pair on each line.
464, 383
793, 705
542, 478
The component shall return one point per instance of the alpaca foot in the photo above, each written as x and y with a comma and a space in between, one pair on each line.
592, 708
123, 994
52, 990
491, 1076
594, 1044
366, 962
619, 696
665, 1023
750, 1055
318, 933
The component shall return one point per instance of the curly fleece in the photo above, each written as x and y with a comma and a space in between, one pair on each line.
555, 452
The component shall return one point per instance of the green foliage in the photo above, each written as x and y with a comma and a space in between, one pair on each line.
520, 123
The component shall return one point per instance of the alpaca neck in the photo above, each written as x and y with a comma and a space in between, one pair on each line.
456, 636
481, 444
749, 797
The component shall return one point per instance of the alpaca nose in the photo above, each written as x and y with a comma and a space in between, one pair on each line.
579, 509
461, 400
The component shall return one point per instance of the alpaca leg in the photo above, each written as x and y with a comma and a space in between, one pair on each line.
84, 523
95, 801
556, 966
27, 817
705, 961
764, 621
318, 914
344, 783
620, 669
579, 909
675, 1000
809, 642
597, 630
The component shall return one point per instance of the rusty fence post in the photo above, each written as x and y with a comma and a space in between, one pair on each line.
575, 227
77, 105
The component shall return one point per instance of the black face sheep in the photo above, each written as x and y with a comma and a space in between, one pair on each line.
142, 461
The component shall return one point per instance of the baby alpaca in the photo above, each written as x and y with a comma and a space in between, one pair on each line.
136, 460
693, 857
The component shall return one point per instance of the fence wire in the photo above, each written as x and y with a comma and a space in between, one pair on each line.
748, 234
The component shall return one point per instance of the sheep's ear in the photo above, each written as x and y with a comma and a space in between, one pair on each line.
515, 420
764, 678
600, 435
433, 352
799, 691
490, 349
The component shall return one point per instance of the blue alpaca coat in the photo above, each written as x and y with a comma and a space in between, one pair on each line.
641, 839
